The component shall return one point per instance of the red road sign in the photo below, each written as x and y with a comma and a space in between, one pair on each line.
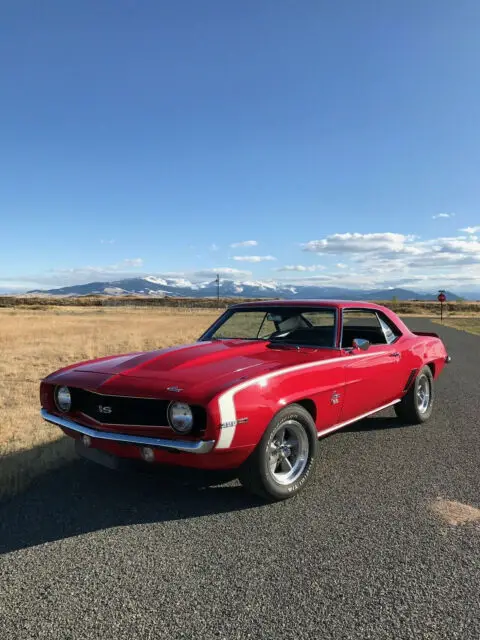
441, 297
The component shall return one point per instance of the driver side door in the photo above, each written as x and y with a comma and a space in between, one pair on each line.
373, 377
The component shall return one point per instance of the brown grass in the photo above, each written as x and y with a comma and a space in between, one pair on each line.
471, 325
35, 343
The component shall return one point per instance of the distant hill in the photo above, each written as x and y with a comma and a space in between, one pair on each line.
178, 287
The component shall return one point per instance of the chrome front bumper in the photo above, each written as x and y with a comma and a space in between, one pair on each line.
186, 446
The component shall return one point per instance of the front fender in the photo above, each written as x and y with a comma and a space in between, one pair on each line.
243, 412
241, 418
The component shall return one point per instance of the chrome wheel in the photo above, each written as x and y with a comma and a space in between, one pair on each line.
423, 394
288, 452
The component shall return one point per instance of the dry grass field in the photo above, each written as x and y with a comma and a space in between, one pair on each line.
35, 342
469, 324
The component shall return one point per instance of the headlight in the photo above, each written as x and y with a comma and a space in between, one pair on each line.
180, 417
63, 399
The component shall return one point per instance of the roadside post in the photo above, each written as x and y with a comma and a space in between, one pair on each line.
217, 280
441, 298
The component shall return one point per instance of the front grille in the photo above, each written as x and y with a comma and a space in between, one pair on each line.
118, 410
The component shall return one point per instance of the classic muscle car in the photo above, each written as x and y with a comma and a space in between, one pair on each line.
255, 393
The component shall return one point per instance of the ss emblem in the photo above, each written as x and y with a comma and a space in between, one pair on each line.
104, 409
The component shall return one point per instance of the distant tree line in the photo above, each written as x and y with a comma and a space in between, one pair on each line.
45, 302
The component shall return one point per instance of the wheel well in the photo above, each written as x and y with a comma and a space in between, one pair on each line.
432, 368
310, 406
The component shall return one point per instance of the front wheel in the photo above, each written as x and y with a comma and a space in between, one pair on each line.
283, 460
417, 405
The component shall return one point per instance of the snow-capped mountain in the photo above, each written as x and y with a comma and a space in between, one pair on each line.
180, 287
169, 282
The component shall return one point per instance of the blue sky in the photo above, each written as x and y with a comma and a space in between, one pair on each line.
342, 138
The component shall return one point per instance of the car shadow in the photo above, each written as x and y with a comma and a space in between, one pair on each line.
81, 497
376, 424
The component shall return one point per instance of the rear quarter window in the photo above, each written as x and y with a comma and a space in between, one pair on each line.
390, 331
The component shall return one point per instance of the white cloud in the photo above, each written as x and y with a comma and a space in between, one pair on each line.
358, 243
471, 230
253, 258
214, 247
120, 269
452, 245
381, 258
107, 241
133, 262
365, 281
169, 274
443, 260
244, 243
443, 215
368, 261
432, 280
222, 271
17, 285
300, 267
388, 246
64, 277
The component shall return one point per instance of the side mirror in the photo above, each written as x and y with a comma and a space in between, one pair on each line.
360, 343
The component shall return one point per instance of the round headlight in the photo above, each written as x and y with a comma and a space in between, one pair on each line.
63, 399
180, 417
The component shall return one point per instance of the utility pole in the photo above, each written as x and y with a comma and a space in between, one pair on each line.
218, 289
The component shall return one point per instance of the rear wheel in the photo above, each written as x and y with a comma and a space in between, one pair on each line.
284, 457
417, 405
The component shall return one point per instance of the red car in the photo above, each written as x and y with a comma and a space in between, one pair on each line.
255, 393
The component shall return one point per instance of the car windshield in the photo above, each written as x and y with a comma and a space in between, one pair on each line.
295, 325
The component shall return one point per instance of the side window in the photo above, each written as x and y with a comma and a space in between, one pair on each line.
390, 331
320, 318
267, 327
364, 324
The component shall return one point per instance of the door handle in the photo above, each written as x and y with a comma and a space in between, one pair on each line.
395, 355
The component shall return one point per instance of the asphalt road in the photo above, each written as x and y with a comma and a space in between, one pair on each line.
87, 553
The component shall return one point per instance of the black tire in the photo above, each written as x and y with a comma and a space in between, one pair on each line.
410, 409
256, 474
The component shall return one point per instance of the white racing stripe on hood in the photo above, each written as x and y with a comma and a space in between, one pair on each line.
226, 401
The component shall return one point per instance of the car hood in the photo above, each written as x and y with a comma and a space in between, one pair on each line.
198, 369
